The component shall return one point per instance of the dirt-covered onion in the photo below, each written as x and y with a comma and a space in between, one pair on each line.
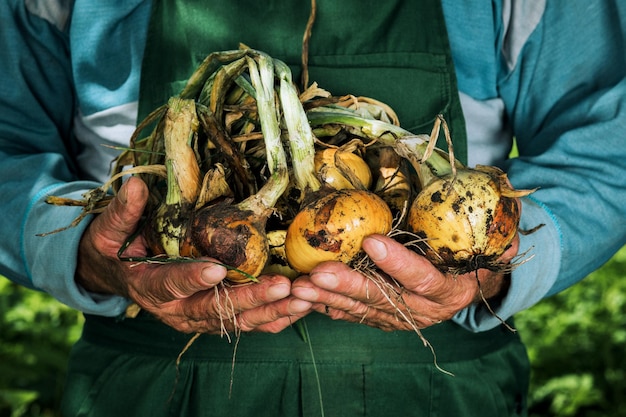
333, 227
231, 235
467, 220
466, 217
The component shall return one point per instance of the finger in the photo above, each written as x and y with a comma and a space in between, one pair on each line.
339, 285
222, 309
398, 261
279, 325
229, 301
384, 305
415, 273
511, 251
341, 288
422, 292
274, 317
371, 317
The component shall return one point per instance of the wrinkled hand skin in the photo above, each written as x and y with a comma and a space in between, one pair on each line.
428, 296
185, 296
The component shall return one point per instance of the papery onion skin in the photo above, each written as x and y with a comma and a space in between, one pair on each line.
467, 221
333, 227
232, 236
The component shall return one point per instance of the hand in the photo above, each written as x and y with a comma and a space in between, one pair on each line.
424, 296
186, 296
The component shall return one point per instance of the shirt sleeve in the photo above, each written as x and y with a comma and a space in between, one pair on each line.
564, 91
37, 105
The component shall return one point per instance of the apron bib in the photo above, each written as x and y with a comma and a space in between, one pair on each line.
395, 51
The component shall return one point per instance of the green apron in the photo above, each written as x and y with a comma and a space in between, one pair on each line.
395, 51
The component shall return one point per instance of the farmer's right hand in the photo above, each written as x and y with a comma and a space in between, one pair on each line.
419, 295
185, 296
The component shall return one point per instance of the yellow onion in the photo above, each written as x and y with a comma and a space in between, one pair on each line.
342, 169
467, 220
333, 227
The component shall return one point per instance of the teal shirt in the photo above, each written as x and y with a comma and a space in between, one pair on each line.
550, 76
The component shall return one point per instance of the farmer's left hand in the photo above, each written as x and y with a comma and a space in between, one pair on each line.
424, 296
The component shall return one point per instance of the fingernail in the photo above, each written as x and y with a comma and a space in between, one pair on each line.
213, 274
325, 280
305, 293
278, 291
297, 306
376, 249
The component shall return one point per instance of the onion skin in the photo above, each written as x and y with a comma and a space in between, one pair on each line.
467, 220
332, 228
230, 235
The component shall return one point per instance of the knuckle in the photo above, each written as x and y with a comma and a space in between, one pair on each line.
245, 325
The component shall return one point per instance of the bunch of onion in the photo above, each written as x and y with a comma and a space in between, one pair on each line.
232, 233
205, 197
353, 168
461, 219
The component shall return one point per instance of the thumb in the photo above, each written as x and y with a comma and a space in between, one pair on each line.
123, 213
179, 280
395, 259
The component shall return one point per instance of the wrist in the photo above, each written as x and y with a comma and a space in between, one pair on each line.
95, 273
493, 287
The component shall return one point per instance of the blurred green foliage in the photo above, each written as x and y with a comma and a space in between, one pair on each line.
36, 334
576, 341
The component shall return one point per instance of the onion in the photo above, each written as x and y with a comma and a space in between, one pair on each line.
332, 224
234, 236
342, 169
392, 184
168, 225
277, 262
467, 219
333, 227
